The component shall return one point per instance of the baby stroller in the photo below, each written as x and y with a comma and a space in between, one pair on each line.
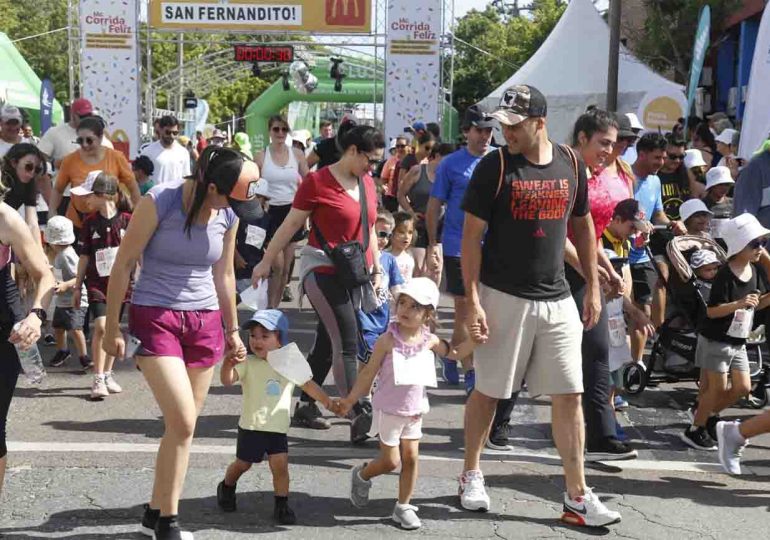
672, 356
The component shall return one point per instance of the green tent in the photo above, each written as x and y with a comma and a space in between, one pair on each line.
20, 86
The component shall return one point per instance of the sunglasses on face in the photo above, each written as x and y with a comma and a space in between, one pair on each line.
279, 129
759, 243
29, 167
384, 234
676, 157
83, 141
399, 146
172, 133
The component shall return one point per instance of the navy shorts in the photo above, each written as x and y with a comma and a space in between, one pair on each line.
252, 445
454, 276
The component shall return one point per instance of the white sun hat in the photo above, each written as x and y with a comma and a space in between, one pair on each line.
726, 137
692, 207
59, 231
422, 290
718, 176
693, 158
740, 231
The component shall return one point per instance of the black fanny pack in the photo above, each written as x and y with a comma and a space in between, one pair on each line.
350, 258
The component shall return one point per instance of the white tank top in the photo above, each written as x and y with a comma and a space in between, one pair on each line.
281, 181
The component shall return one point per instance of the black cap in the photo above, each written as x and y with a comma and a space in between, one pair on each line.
625, 131
519, 103
476, 116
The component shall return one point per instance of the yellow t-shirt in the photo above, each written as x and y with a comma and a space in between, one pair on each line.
266, 396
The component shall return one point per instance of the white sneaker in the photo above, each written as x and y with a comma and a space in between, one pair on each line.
99, 388
406, 516
473, 495
731, 445
588, 511
112, 384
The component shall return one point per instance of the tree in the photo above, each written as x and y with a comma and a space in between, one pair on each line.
665, 40
505, 45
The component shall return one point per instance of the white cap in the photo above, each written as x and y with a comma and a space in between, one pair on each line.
635, 123
692, 207
392, 144
717, 176
59, 231
726, 137
740, 231
86, 188
9, 112
703, 257
693, 158
422, 290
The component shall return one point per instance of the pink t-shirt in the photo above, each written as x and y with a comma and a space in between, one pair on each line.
404, 400
605, 190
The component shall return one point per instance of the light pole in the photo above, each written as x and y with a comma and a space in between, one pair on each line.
614, 59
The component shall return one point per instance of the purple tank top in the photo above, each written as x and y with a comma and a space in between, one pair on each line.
406, 400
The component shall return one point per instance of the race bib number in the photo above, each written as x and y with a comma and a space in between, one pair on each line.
105, 258
417, 370
617, 331
255, 236
743, 319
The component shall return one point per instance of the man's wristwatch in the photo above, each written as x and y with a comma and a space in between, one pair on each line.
41, 314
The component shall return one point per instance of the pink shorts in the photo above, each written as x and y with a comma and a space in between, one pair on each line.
196, 337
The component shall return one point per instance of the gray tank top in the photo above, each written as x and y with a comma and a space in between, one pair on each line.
420, 192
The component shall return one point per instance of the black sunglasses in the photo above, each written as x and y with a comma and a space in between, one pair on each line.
384, 234
88, 140
676, 157
400, 146
759, 243
29, 167
173, 133
279, 129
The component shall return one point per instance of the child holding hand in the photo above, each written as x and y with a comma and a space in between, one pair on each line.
403, 362
268, 382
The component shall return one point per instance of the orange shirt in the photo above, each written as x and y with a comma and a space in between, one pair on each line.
74, 170
386, 175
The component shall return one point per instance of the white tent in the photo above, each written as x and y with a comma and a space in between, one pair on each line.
570, 69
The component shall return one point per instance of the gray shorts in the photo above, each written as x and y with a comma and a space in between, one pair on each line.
720, 357
68, 318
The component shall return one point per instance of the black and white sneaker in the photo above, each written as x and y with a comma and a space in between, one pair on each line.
499, 438
610, 449
698, 438
168, 529
711, 427
149, 520
59, 358
360, 427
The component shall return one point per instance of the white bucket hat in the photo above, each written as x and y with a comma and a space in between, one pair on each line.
59, 231
726, 137
717, 176
693, 158
703, 257
422, 290
740, 231
635, 123
692, 207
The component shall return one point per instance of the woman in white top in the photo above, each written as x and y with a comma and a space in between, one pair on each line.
284, 168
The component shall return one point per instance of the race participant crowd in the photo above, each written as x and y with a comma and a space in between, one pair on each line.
629, 237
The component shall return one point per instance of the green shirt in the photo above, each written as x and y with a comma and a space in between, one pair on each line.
266, 396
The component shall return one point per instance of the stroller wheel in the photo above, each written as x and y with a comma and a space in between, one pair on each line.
758, 397
634, 378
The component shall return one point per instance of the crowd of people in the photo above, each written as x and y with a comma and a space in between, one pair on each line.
172, 239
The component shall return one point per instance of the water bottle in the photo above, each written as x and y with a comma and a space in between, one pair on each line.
31, 362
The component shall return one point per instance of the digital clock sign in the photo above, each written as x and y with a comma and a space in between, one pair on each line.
264, 53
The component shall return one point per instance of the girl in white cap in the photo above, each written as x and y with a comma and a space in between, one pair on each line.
719, 182
739, 289
403, 363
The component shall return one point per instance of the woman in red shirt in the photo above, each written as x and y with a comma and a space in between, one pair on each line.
332, 200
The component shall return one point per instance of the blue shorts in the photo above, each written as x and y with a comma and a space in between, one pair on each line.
252, 446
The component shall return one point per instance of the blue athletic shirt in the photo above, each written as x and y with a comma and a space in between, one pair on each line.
373, 325
647, 191
452, 177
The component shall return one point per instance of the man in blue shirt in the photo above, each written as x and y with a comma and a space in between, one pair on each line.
452, 177
651, 155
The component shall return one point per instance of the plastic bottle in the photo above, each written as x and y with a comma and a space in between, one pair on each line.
31, 362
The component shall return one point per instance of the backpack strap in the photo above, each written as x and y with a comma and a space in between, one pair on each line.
502, 172
575, 165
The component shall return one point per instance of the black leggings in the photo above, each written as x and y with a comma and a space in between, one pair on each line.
599, 415
9, 375
336, 337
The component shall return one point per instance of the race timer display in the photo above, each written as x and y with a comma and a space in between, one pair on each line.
264, 53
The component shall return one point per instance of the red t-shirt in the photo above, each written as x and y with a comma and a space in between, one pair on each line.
335, 212
99, 240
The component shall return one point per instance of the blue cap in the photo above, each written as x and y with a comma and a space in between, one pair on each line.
272, 320
419, 126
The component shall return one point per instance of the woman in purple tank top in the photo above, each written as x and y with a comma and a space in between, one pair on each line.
185, 295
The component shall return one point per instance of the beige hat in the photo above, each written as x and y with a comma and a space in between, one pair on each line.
740, 231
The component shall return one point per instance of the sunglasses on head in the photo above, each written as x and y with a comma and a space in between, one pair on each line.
759, 243
80, 141
29, 167
384, 234
278, 129
676, 157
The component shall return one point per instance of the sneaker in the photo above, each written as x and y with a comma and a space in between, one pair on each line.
59, 358
610, 449
112, 384
226, 497
309, 415
406, 516
449, 372
731, 445
690, 412
149, 519
620, 403
620, 433
99, 388
473, 495
359, 488
588, 511
288, 296
470, 381
711, 426
168, 529
498, 438
698, 438
284, 515
86, 363
360, 426
49, 340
